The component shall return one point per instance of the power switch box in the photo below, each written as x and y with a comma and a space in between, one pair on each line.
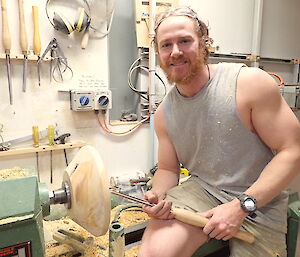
82, 100
103, 100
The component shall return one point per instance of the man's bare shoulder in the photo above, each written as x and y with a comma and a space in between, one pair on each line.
159, 122
256, 77
256, 84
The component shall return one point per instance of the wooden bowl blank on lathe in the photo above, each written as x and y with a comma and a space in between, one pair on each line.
89, 187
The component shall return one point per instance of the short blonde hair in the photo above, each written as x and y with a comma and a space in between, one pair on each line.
188, 12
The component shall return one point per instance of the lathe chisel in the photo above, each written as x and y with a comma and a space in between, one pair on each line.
37, 39
23, 41
51, 129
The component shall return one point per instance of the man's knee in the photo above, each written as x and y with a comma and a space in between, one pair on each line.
169, 238
148, 251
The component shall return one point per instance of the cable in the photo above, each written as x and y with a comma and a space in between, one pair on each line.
104, 126
104, 34
144, 68
278, 77
129, 76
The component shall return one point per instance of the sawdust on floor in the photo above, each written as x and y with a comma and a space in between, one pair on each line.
13, 173
96, 246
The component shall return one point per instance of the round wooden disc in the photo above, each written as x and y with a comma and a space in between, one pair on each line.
89, 187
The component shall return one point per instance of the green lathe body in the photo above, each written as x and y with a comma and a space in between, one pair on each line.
23, 204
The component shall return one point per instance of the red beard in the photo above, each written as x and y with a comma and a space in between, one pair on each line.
182, 79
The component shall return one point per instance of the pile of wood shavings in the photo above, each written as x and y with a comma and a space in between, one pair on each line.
98, 246
13, 173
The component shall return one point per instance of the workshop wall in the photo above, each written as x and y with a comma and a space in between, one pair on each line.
50, 103
231, 28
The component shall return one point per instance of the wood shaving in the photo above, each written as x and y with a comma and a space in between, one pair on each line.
15, 219
98, 246
13, 173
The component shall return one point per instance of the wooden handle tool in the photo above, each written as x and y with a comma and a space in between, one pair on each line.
5, 28
7, 46
37, 39
23, 34
188, 217
199, 221
85, 39
36, 34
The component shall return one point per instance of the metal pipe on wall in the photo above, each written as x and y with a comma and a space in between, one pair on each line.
151, 80
257, 28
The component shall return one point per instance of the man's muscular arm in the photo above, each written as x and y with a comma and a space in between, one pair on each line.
167, 174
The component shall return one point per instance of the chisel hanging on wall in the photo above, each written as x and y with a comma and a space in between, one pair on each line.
51, 129
37, 39
6, 45
23, 41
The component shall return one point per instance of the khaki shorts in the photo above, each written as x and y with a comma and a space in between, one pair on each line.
191, 196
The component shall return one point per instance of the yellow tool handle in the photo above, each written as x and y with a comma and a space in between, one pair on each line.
197, 220
51, 134
35, 136
23, 35
36, 34
5, 28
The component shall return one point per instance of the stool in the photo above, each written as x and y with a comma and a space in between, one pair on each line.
293, 221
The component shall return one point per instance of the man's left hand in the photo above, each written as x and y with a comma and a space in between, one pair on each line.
225, 220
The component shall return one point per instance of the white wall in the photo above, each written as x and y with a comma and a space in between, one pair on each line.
230, 23
281, 37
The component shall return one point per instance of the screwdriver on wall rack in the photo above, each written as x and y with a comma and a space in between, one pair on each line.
23, 41
51, 142
36, 143
7, 46
37, 39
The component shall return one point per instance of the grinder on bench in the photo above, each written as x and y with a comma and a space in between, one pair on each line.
24, 202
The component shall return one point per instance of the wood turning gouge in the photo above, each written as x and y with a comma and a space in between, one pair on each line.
23, 41
187, 217
37, 40
7, 46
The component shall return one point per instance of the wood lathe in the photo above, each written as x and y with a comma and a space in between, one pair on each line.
85, 192
25, 202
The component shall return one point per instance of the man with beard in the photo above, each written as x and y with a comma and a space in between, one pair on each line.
230, 127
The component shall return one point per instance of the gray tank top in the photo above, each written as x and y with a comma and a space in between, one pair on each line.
213, 144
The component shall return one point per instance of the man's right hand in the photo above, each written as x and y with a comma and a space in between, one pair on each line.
161, 210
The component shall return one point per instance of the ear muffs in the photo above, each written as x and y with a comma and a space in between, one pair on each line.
83, 20
61, 23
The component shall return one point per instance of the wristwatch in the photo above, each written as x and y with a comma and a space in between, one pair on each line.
248, 204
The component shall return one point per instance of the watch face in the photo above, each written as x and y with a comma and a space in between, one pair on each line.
250, 205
